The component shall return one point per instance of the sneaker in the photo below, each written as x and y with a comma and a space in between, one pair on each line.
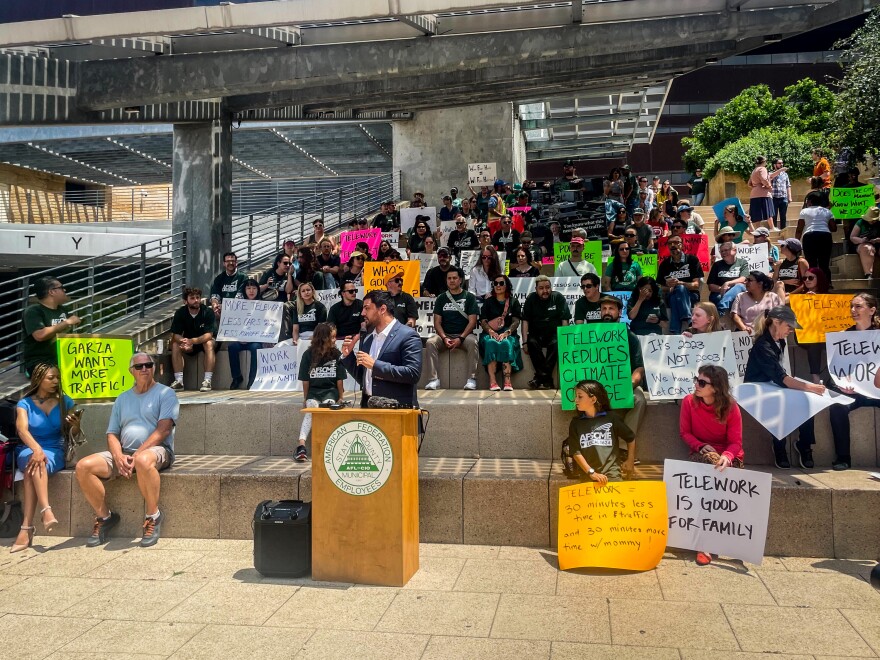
840, 466
805, 456
780, 456
206, 386
494, 387
471, 384
535, 384
177, 386
433, 384
300, 454
100, 529
151, 531
508, 387
704, 559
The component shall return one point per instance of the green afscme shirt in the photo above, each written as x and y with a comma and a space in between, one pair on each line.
36, 317
454, 310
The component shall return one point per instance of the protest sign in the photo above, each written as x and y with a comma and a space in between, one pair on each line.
426, 262
756, 254
569, 287
481, 174
522, 287
348, 241
467, 259
723, 513
853, 360
694, 244
781, 410
250, 320
820, 313
648, 263
741, 345
329, 297
393, 238
446, 227
592, 253
425, 322
548, 261
597, 351
672, 361
408, 217
619, 525
848, 203
376, 273
94, 367
277, 368
719, 208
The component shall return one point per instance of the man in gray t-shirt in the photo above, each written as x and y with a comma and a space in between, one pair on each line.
140, 440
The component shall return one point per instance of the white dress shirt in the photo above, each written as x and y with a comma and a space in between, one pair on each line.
375, 349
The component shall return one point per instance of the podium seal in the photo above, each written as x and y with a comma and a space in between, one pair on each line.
358, 458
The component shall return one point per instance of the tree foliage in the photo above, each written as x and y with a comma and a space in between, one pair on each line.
788, 143
806, 107
856, 122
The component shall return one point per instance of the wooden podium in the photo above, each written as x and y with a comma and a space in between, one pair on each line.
365, 495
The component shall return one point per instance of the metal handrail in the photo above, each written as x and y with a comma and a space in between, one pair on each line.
103, 290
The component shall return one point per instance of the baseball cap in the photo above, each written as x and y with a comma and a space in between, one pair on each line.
627, 167
685, 207
419, 192
444, 249
500, 182
289, 241
392, 275
760, 231
638, 211
784, 314
792, 244
614, 300
578, 240
568, 163
525, 234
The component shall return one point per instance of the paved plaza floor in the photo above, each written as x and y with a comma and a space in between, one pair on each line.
192, 598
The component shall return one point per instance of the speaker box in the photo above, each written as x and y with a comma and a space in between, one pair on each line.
283, 538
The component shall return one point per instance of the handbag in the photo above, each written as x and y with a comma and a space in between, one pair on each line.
11, 515
11, 518
497, 323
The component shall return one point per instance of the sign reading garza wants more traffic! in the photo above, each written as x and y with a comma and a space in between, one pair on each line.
596, 351
94, 367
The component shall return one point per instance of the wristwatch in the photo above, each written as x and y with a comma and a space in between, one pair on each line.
591, 472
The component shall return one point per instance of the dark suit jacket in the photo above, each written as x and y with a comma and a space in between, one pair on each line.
398, 367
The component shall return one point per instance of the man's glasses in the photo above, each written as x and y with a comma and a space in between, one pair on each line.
351, 290
499, 283
631, 235
701, 382
587, 287
140, 366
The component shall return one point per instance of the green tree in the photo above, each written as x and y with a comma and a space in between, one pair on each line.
856, 122
788, 143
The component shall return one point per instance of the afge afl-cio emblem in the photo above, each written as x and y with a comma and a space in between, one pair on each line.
358, 458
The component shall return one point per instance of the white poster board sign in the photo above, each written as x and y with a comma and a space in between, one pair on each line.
426, 262
781, 410
569, 287
408, 217
756, 254
467, 259
425, 322
672, 361
522, 287
277, 369
250, 320
393, 238
853, 360
446, 227
482, 174
741, 345
722, 512
329, 297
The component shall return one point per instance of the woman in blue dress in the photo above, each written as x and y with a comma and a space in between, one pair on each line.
39, 424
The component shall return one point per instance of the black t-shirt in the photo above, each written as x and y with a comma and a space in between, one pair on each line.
698, 185
227, 286
722, 272
36, 317
383, 222
332, 261
454, 311
686, 271
189, 326
598, 439
533, 271
587, 311
323, 378
462, 240
405, 307
435, 281
544, 316
311, 316
278, 283
505, 241
357, 280
493, 308
346, 318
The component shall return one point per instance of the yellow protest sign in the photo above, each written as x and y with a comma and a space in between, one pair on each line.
821, 313
376, 274
94, 367
620, 525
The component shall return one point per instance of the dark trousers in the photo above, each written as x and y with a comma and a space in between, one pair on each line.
848, 225
780, 211
817, 250
234, 349
840, 423
544, 352
806, 435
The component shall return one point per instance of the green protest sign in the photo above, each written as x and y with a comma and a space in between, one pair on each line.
648, 262
847, 203
561, 252
596, 351
94, 366
592, 253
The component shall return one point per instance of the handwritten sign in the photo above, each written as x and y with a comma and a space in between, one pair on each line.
277, 369
250, 320
393, 238
849, 203
376, 274
853, 360
693, 244
672, 361
620, 525
425, 322
408, 216
741, 346
592, 253
648, 262
467, 259
426, 262
348, 241
482, 174
94, 367
597, 351
821, 313
781, 410
755, 254
725, 513
329, 297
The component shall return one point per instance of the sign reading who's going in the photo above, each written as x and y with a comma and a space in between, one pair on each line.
358, 458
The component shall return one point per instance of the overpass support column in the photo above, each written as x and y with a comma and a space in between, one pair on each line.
202, 197
432, 151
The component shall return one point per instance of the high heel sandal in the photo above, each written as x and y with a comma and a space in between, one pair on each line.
16, 547
48, 526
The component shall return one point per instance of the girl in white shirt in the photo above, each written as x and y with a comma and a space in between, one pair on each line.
814, 229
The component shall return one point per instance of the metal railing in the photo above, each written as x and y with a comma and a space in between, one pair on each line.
258, 236
256, 196
103, 290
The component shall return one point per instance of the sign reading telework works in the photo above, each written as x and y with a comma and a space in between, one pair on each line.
94, 367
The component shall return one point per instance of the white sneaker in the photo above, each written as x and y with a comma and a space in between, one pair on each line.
206, 386
433, 384
471, 384
177, 386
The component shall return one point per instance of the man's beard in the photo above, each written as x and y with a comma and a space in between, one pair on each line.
608, 317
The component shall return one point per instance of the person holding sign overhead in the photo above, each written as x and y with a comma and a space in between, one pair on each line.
765, 366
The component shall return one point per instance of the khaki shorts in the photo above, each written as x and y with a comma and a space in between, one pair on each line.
164, 459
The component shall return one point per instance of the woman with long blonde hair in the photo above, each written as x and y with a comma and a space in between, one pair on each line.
309, 312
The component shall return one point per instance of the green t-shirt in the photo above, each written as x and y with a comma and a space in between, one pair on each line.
627, 282
455, 310
323, 378
544, 316
36, 317
597, 439
587, 311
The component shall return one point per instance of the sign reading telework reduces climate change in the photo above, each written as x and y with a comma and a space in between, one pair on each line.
619, 525
596, 351
94, 366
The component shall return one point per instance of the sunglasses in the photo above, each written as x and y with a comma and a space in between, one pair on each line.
623, 249
318, 226
487, 256
674, 245
498, 283
286, 263
587, 287
398, 280
361, 258
460, 224
810, 278
140, 366
350, 291
701, 382
631, 235
679, 227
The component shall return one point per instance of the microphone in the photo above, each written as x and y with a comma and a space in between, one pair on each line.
382, 402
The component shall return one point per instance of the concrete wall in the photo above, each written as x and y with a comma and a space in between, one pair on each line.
433, 150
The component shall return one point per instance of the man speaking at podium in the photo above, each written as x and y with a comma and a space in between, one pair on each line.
389, 364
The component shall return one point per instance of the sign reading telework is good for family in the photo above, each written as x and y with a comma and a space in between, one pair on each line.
853, 360
595, 351
376, 275
250, 320
725, 513
619, 525
821, 313
672, 361
94, 367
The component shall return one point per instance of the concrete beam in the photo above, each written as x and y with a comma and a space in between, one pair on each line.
586, 120
107, 84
